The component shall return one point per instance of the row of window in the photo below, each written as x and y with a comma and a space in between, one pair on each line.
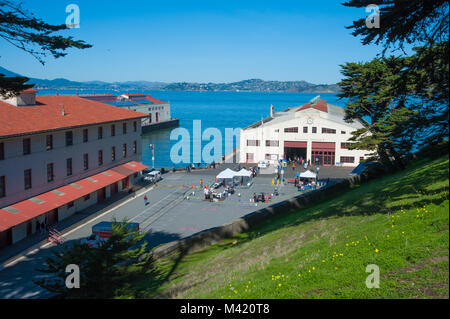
275, 143
26, 142
313, 130
154, 108
50, 168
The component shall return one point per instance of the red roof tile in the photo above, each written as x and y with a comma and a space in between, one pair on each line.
320, 105
47, 114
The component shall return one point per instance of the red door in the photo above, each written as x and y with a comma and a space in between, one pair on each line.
114, 188
29, 228
101, 195
52, 217
125, 183
6, 238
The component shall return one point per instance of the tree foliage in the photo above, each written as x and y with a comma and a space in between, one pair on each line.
21, 29
105, 271
421, 22
405, 98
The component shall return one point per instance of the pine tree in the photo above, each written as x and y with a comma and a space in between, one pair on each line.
105, 270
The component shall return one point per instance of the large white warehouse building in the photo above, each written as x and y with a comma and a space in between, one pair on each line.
315, 131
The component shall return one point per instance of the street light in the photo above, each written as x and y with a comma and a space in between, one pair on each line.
153, 154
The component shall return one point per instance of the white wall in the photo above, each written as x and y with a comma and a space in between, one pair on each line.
269, 132
14, 164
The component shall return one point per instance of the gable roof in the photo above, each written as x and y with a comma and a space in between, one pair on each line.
47, 115
320, 105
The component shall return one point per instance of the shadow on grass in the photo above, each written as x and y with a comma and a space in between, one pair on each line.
406, 189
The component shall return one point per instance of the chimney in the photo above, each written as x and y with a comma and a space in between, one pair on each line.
24, 98
271, 110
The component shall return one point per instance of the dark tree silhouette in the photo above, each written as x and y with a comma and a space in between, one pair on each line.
24, 31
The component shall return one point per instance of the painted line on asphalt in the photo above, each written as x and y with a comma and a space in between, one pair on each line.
146, 210
13, 262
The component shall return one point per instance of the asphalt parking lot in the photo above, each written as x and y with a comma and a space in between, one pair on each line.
174, 212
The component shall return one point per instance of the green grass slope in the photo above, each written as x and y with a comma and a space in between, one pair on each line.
398, 222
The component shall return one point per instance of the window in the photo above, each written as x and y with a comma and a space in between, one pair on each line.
2, 186
50, 176
314, 129
85, 135
252, 142
113, 130
134, 147
345, 145
249, 157
86, 162
69, 166
134, 126
70, 204
100, 158
27, 178
69, 138
328, 130
49, 142
291, 130
113, 153
272, 143
157, 117
124, 151
26, 146
305, 129
149, 117
100, 132
124, 128
87, 197
342, 132
2, 151
347, 159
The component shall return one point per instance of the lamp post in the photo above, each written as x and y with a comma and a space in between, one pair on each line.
153, 155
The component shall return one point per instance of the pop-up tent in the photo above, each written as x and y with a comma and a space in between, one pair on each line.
226, 176
308, 174
244, 176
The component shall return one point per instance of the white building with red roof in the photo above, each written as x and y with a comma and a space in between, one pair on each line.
315, 132
60, 154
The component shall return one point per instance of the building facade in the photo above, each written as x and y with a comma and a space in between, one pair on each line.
59, 155
158, 112
315, 131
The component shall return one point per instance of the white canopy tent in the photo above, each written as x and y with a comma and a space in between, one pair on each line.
244, 177
243, 172
226, 176
308, 174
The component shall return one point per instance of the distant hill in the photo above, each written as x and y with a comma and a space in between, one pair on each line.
256, 85
252, 85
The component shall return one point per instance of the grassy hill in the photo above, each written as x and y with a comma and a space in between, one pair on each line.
398, 222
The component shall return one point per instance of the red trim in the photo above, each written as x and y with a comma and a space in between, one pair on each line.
295, 144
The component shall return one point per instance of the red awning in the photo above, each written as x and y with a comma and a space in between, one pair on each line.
295, 144
25, 210
323, 146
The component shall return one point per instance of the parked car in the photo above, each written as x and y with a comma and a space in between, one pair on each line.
216, 185
263, 164
153, 176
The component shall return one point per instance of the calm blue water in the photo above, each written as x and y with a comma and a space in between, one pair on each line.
215, 109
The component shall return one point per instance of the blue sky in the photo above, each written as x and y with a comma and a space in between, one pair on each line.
199, 41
